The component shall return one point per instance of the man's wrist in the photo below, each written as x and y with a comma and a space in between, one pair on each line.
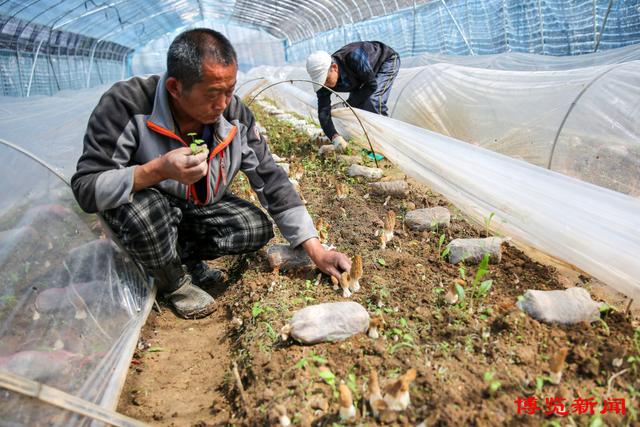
313, 247
148, 174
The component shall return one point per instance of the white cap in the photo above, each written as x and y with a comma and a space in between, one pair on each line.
318, 64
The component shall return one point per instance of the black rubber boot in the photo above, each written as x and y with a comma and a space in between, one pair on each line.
203, 275
189, 300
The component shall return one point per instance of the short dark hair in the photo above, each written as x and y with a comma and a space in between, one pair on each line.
190, 48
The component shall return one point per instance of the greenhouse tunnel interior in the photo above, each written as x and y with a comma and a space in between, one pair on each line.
523, 110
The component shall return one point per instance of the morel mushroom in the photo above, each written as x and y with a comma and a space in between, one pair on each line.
347, 410
397, 393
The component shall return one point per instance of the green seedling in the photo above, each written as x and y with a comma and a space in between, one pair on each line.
353, 385
480, 288
607, 331
606, 309
442, 253
257, 309
405, 338
487, 223
271, 333
329, 378
460, 293
493, 385
197, 145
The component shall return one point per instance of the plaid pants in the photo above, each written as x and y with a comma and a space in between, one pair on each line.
157, 228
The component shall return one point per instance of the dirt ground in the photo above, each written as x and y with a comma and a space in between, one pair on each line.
474, 359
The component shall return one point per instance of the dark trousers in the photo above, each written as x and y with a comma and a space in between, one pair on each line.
158, 229
377, 101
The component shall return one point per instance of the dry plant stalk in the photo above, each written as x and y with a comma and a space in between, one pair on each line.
243, 395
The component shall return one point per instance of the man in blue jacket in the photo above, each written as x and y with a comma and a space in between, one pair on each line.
171, 208
364, 69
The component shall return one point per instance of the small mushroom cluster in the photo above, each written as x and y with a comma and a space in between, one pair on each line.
386, 234
349, 280
395, 398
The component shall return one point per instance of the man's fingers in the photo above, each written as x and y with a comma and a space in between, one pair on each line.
333, 272
182, 150
190, 160
344, 263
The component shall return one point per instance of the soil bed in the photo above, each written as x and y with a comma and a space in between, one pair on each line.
474, 359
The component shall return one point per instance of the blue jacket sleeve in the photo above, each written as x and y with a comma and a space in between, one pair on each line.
358, 62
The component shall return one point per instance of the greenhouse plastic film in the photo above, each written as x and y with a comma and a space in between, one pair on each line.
590, 227
52, 128
72, 303
580, 121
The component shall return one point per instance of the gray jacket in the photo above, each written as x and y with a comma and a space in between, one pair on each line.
132, 124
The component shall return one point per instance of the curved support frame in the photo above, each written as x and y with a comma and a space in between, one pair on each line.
332, 91
573, 104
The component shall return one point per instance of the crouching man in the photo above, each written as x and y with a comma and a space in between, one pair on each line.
172, 209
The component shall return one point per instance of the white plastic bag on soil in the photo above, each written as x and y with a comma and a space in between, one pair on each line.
471, 251
364, 171
398, 188
282, 257
573, 305
428, 219
334, 321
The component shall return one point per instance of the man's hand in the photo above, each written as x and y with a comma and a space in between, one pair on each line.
178, 164
339, 142
329, 262
181, 165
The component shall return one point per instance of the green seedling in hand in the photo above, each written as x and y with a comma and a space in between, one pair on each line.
197, 145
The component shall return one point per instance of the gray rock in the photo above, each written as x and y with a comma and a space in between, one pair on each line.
428, 219
364, 171
329, 322
398, 188
569, 306
471, 251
